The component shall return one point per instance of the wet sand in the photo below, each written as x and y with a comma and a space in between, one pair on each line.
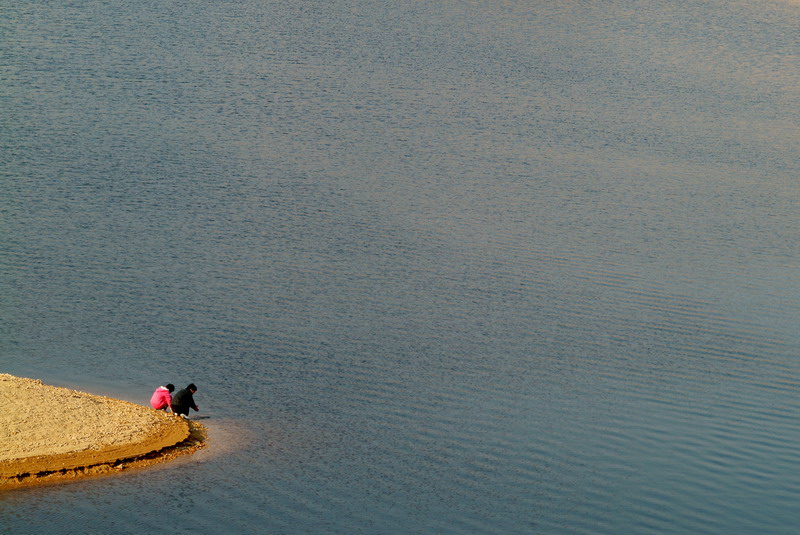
51, 434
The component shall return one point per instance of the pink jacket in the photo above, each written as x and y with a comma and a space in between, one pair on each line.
161, 398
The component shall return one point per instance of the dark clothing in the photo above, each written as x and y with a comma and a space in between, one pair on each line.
183, 401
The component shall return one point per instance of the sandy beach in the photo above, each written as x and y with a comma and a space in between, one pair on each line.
50, 434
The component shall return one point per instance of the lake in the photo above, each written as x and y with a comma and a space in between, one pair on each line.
435, 267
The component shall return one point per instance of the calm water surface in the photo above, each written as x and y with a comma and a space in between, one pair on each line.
436, 267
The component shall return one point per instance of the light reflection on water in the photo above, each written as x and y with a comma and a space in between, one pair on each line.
452, 268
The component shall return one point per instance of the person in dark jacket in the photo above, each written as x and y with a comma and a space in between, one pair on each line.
184, 400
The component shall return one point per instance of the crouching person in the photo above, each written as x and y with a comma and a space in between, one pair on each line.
162, 398
184, 400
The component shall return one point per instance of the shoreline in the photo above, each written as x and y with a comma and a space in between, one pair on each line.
52, 434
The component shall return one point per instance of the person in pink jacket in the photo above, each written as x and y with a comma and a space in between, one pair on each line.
162, 398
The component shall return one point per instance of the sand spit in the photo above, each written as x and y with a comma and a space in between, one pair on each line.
51, 434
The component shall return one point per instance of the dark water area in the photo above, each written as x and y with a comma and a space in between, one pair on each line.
453, 267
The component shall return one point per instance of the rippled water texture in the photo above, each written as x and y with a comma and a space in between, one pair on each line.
436, 267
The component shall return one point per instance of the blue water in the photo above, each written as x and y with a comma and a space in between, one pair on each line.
453, 267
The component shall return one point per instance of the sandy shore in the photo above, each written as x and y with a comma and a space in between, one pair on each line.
50, 434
